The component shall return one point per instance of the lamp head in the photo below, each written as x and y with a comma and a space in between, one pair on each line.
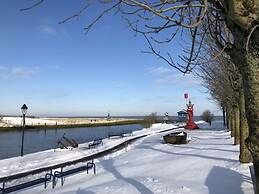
24, 109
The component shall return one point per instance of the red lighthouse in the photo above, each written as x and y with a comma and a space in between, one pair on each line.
190, 123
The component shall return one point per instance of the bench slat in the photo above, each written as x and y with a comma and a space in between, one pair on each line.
24, 185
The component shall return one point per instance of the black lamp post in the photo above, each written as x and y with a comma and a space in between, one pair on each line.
24, 111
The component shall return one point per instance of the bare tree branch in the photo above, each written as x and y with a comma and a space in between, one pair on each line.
32, 6
88, 27
76, 15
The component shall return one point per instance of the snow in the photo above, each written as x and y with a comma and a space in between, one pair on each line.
207, 164
17, 121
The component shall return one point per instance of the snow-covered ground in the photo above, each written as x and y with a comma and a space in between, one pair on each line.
17, 121
208, 164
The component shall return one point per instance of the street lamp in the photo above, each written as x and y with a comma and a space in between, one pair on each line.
24, 109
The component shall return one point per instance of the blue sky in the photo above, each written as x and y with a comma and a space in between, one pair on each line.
57, 70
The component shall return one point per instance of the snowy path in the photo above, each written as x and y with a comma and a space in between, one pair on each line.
207, 165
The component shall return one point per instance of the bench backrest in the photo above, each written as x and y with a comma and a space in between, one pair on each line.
98, 141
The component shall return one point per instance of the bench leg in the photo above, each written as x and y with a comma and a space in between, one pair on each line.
48, 178
93, 167
53, 182
56, 175
62, 181
3, 188
62, 178
45, 184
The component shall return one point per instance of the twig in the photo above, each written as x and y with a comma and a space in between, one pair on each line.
75, 15
32, 6
87, 28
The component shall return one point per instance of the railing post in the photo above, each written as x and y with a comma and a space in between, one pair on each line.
3, 187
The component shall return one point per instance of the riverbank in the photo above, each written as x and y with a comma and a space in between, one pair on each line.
14, 123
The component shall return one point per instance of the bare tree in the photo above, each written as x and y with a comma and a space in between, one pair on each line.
233, 26
150, 119
223, 82
207, 116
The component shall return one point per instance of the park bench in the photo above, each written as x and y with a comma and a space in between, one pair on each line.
114, 133
127, 132
62, 174
95, 143
6, 189
48, 178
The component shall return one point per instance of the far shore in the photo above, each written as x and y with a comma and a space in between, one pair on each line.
53, 123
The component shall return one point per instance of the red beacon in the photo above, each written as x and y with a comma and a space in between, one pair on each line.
190, 122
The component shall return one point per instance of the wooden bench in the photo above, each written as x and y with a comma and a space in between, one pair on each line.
62, 174
95, 143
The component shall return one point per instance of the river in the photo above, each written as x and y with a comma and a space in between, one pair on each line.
40, 140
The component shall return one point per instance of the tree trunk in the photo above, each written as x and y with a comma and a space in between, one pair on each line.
245, 156
247, 57
232, 123
251, 89
242, 20
236, 125
224, 115
227, 119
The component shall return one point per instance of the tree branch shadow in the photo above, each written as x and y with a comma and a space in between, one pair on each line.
209, 149
108, 165
80, 191
190, 155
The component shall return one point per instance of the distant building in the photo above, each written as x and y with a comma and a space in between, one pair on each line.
182, 116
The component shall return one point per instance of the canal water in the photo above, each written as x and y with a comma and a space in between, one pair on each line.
39, 140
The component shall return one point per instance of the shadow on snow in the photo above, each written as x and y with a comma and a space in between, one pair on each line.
108, 166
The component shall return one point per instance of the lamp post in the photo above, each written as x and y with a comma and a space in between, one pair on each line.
24, 109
